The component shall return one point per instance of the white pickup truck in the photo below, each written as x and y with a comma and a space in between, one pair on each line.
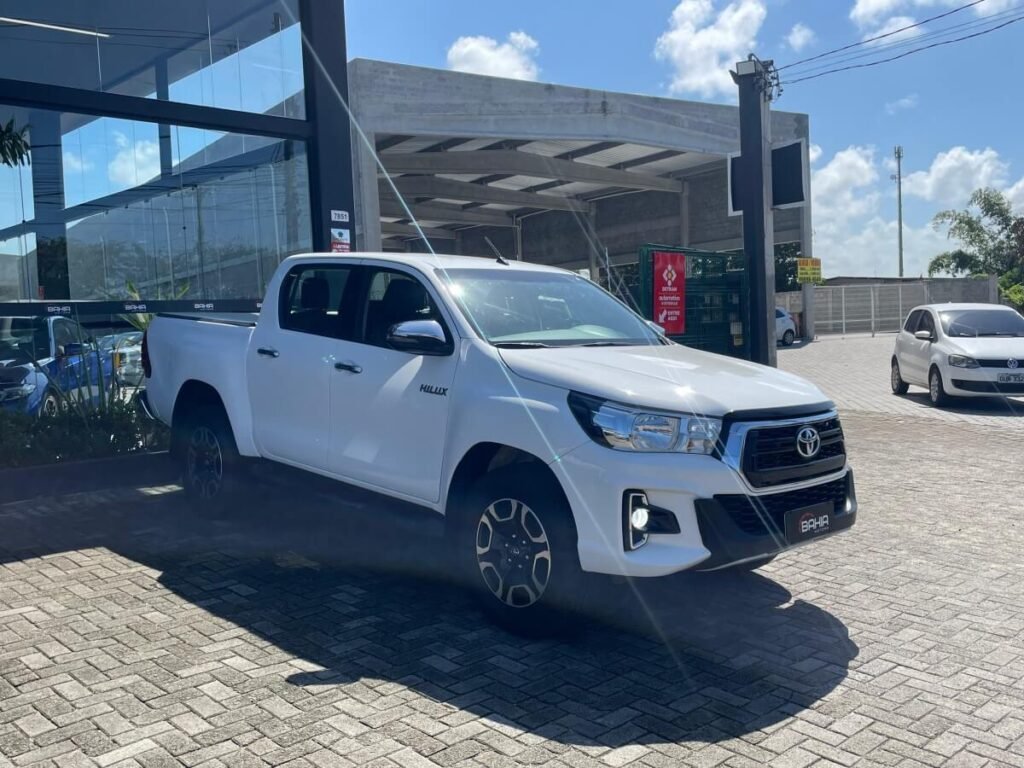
555, 429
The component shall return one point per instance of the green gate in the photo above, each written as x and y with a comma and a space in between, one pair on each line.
716, 298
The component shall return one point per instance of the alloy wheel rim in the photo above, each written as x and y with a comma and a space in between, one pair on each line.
895, 376
50, 406
513, 553
934, 387
205, 462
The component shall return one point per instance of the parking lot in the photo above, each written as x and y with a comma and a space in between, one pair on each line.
314, 631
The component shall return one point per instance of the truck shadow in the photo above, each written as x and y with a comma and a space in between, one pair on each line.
360, 597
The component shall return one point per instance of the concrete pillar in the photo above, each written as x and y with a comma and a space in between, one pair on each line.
807, 289
367, 194
684, 215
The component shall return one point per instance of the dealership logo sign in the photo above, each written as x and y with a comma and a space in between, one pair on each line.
811, 523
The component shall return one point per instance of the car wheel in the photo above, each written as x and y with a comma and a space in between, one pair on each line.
50, 406
899, 386
515, 545
210, 461
787, 338
937, 392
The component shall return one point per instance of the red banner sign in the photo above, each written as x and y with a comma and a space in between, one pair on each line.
670, 291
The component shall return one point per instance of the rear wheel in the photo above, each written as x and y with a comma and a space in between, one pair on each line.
936, 391
515, 545
210, 460
787, 338
899, 386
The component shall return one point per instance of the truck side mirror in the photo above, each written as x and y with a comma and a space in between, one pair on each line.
419, 337
73, 350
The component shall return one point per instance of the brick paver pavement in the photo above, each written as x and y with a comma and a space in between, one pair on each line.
316, 632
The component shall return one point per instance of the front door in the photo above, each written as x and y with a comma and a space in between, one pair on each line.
289, 364
389, 409
918, 352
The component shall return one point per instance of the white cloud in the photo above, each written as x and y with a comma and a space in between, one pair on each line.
134, 163
955, 174
881, 16
844, 189
1016, 196
907, 102
481, 55
815, 153
76, 163
897, 28
702, 45
800, 36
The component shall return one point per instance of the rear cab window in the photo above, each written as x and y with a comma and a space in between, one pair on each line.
317, 299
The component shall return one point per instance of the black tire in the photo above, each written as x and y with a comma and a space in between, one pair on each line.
899, 386
210, 464
514, 544
788, 338
936, 391
751, 565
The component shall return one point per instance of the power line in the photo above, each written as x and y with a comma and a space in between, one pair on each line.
907, 53
883, 36
915, 41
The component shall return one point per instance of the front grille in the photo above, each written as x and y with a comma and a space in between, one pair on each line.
754, 514
990, 387
1000, 362
770, 455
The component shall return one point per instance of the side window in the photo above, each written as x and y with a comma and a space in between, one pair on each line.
314, 300
63, 333
779, 314
927, 323
394, 297
912, 321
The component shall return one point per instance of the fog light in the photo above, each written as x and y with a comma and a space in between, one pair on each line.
639, 518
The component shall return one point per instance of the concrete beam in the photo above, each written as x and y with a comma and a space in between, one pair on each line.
430, 186
451, 214
523, 164
394, 229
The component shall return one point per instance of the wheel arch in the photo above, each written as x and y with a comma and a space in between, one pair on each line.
192, 395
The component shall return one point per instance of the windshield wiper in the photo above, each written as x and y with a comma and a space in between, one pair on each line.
520, 344
606, 344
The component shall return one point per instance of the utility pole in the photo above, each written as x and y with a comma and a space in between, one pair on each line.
757, 82
899, 200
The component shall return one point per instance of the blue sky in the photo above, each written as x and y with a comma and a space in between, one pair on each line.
956, 109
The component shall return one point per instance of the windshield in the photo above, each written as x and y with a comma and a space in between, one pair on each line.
22, 339
982, 322
518, 308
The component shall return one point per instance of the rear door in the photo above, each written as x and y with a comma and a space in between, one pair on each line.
389, 409
289, 366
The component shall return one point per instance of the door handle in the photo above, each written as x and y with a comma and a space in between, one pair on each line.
268, 352
351, 367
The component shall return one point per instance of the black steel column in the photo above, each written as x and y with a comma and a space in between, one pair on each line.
325, 67
755, 192
48, 199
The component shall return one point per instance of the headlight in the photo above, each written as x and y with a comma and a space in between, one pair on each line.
18, 392
961, 361
628, 429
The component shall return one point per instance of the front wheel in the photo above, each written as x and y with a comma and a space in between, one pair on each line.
515, 545
210, 461
899, 386
787, 338
936, 391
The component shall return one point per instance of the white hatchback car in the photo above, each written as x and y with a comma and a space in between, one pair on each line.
965, 350
785, 328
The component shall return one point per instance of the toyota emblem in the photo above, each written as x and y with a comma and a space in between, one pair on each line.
808, 442
1012, 363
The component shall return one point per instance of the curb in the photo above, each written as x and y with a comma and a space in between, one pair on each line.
136, 469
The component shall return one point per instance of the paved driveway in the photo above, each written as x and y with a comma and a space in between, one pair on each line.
312, 631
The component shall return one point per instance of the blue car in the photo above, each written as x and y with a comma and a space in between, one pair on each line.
42, 357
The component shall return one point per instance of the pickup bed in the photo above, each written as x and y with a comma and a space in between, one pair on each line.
554, 429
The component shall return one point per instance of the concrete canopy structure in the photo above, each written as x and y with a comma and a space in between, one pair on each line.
548, 173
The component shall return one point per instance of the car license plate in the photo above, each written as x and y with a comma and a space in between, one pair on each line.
808, 522
1011, 378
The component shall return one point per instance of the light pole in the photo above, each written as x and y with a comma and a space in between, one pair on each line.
898, 178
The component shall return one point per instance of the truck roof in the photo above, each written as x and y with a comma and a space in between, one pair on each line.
438, 261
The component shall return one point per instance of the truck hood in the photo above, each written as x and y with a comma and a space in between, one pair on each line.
672, 378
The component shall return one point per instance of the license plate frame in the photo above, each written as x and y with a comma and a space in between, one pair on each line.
1010, 378
809, 522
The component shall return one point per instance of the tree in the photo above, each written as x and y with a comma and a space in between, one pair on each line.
991, 240
14, 146
786, 255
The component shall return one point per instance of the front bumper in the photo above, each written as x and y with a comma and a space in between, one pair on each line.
594, 479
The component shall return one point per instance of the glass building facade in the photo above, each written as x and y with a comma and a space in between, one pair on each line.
172, 150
